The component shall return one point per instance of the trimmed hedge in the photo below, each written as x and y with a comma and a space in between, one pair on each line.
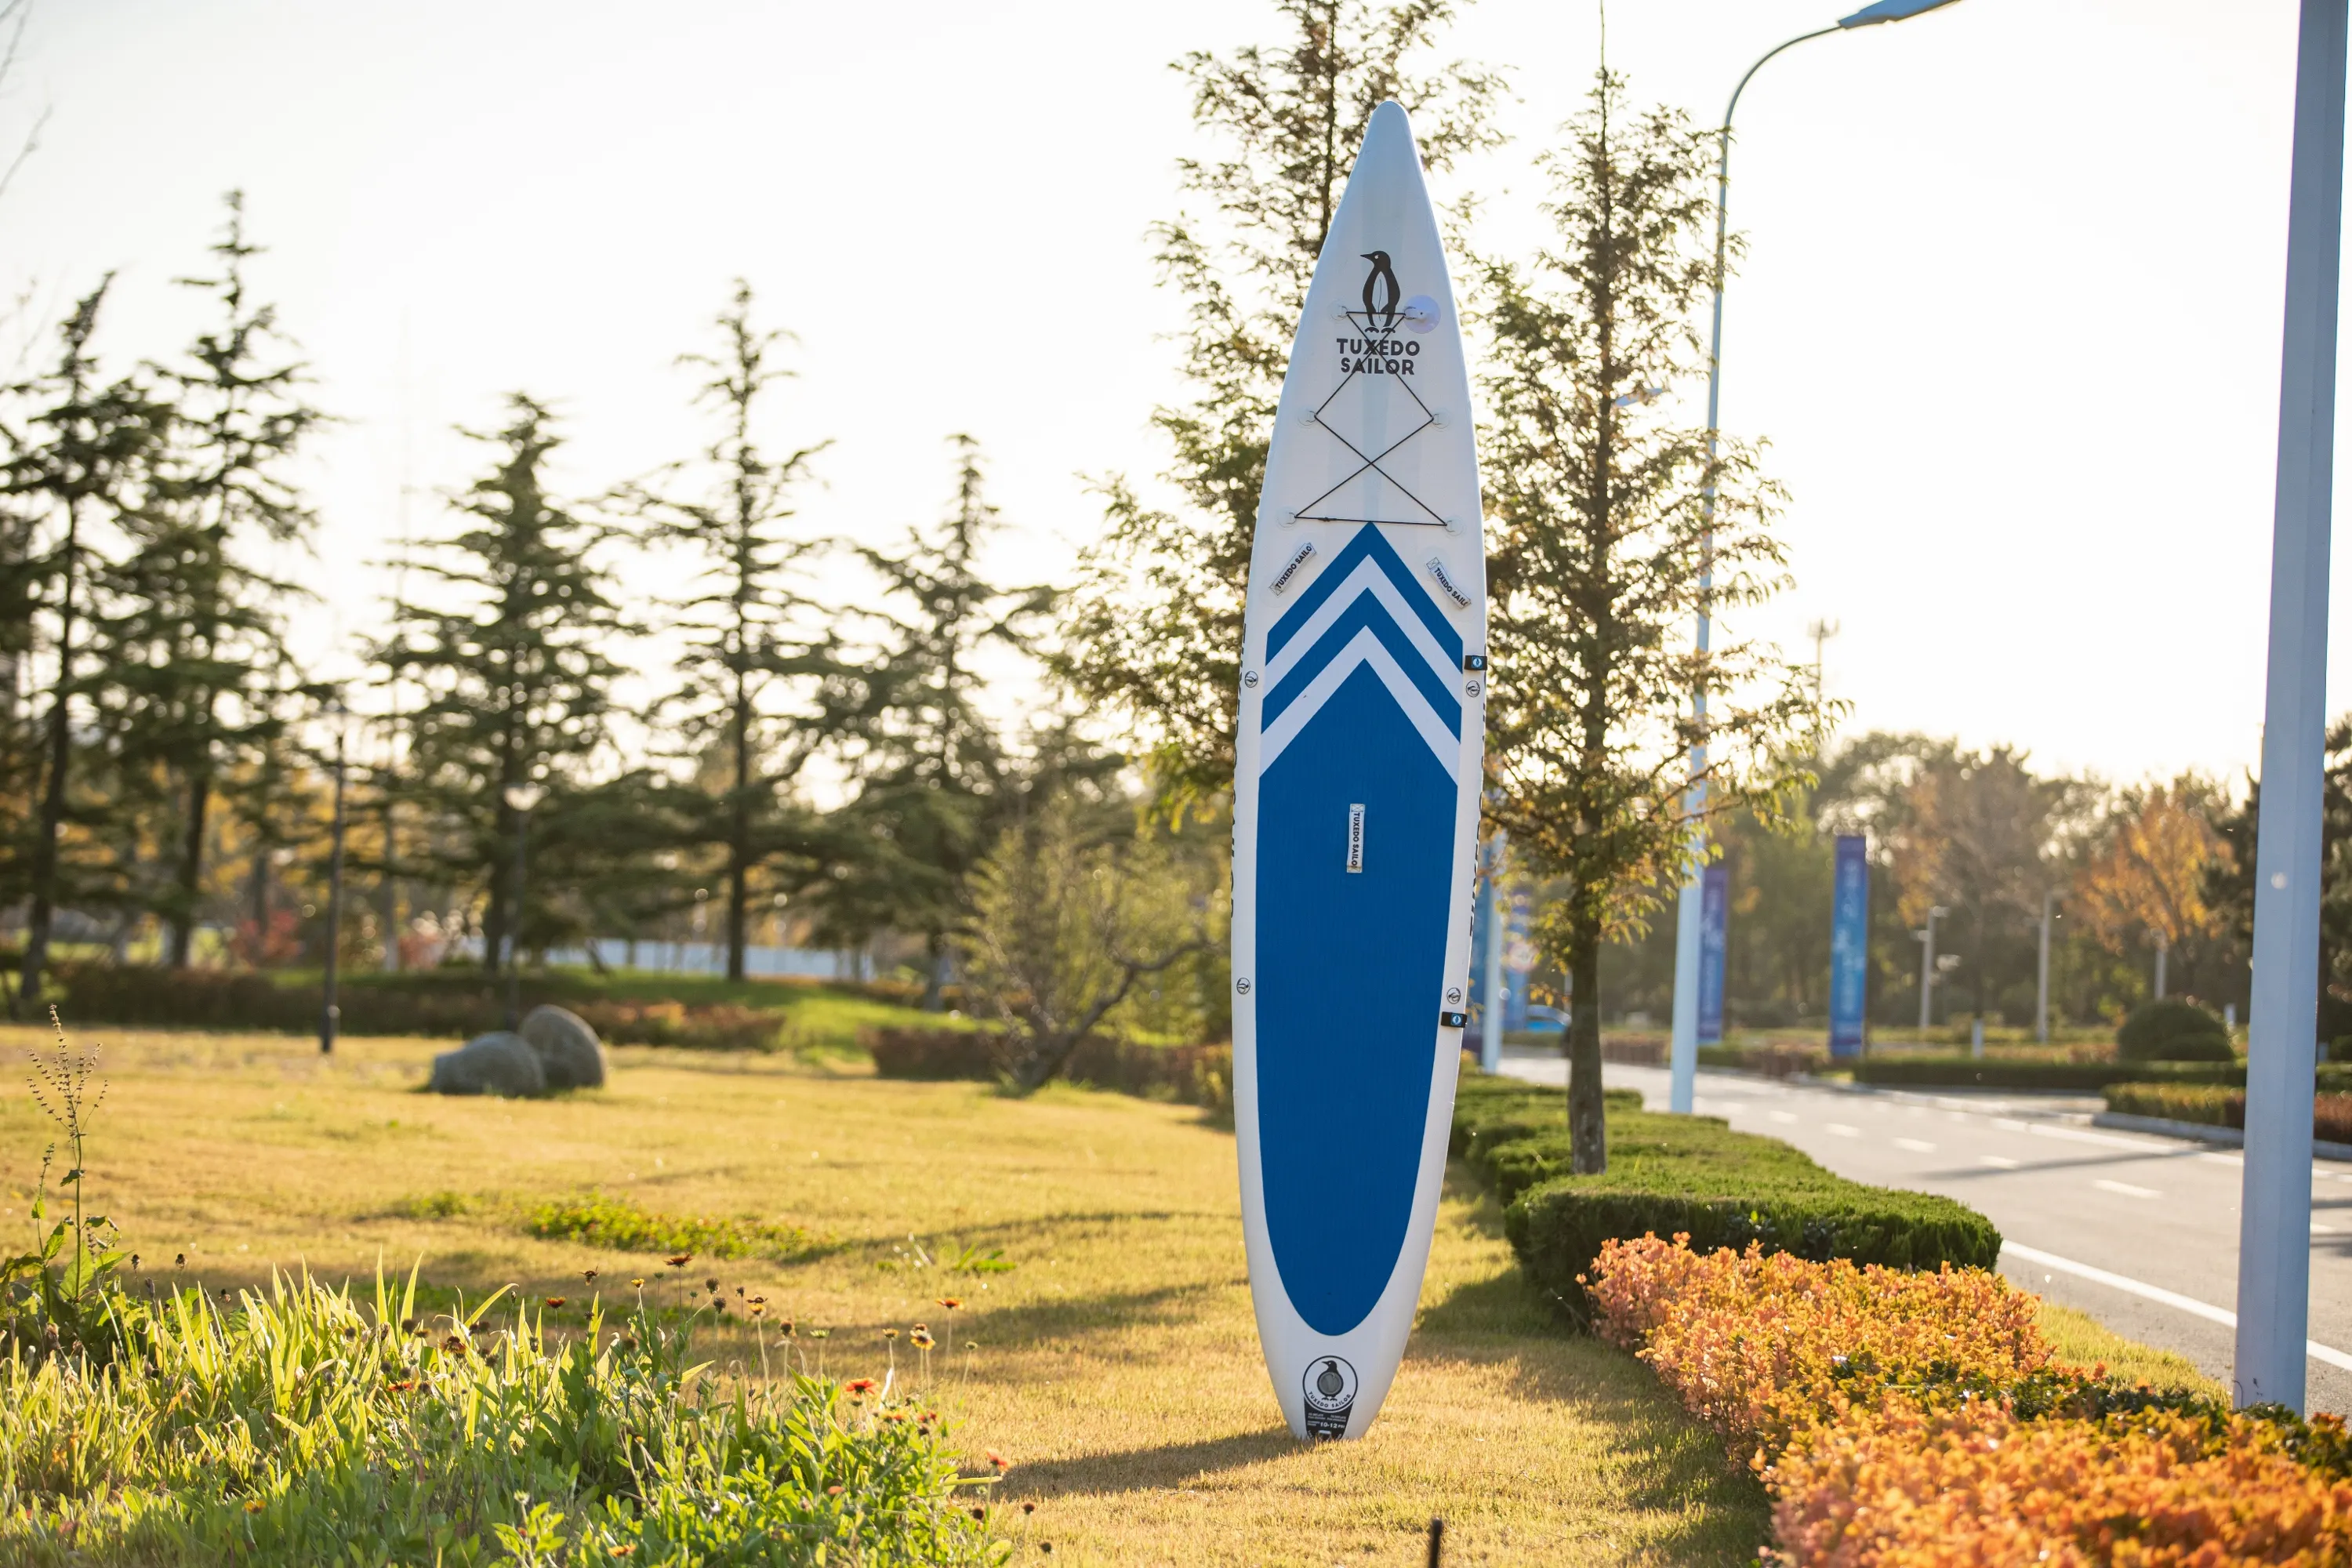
453, 1003
1189, 1075
2215, 1106
1968, 1072
1692, 1175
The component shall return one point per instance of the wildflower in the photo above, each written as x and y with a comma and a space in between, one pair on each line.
833, 1491
179, 1261
636, 1284
554, 1303
254, 1505
400, 1387
1028, 1507
950, 1302
588, 1276
712, 1285
922, 1328
920, 1340
999, 1460
980, 1513
889, 1333
454, 1345
758, 1310
786, 1325
134, 1260
861, 1386
679, 1260
820, 1333
738, 1291
624, 1551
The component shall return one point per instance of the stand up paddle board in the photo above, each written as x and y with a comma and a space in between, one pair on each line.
1356, 800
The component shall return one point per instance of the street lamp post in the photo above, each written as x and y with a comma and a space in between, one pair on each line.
1684, 1053
520, 798
1928, 963
330, 1014
2274, 1228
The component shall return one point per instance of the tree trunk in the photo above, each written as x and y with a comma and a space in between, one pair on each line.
192, 869
935, 963
53, 790
738, 836
1588, 1131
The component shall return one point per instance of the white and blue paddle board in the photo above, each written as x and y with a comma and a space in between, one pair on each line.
1356, 799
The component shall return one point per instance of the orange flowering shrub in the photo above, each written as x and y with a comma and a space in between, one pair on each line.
1906, 1487
1764, 1348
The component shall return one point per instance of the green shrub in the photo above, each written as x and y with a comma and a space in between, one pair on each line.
301, 1426
2173, 1032
1686, 1175
618, 1223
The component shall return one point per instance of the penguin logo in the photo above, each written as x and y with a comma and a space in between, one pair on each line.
1330, 1390
1380, 290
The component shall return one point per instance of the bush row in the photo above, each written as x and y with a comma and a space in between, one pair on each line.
1684, 1174
1189, 1075
444, 1002
1917, 1419
2215, 1106
1968, 1072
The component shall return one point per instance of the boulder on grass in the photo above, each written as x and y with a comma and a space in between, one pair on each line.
569, 1052
499, 1062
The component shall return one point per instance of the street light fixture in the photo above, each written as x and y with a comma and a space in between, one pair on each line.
522, 799
1684, 1053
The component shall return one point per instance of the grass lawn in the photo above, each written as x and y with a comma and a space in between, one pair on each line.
1118, 1364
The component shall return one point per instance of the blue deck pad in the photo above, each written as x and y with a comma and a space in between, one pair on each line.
1350, 975
1365, 544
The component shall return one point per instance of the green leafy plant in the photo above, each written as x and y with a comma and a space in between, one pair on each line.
603, 1221
63, 1295
2173, 1032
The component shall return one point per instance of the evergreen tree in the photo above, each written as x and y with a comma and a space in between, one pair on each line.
1607, 517
78, 466
512, 672
198, 644
1154, 630
932, 770
745, 654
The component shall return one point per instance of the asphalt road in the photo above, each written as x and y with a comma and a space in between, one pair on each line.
2139, 1231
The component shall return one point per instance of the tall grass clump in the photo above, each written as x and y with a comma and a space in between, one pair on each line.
302, 1425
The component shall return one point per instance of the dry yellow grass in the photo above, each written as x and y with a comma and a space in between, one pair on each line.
1117, 1365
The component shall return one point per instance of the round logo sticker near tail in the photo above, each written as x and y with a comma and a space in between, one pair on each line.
1330, 1394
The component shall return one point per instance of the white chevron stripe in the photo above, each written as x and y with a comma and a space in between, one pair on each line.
1362, 648
1367, 578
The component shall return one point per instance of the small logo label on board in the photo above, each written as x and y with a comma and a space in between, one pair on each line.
1330, 1388
1454, 1020
1474, 661
1282, 579
1355, 838
1437, 570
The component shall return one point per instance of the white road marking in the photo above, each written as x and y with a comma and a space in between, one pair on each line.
1917, 1146
1784, 1118
2319, 1229
2222, 1315
1843, 1130
2126, 1189
1998, 1161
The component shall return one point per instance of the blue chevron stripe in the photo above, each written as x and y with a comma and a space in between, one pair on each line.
1367, 545
1366, 613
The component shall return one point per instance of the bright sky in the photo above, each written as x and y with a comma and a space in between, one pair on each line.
2010, 318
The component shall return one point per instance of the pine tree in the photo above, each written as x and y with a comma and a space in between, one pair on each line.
78, 467
1604, 534
203, 626
512, 667
932, 769
1154, 629
746, 655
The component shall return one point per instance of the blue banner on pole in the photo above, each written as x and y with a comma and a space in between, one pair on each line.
1848, 945
1519, 960
1714, 935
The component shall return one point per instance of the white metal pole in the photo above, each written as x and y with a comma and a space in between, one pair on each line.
2042, 979
2163, 952
1927, 971
1490, 1029
2274, 1234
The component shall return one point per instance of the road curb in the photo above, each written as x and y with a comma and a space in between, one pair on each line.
2205, 1132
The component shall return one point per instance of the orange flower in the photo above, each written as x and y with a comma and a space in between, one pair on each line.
950, 1302
554, 1302
999, 1460
860, 1387
681, 1260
